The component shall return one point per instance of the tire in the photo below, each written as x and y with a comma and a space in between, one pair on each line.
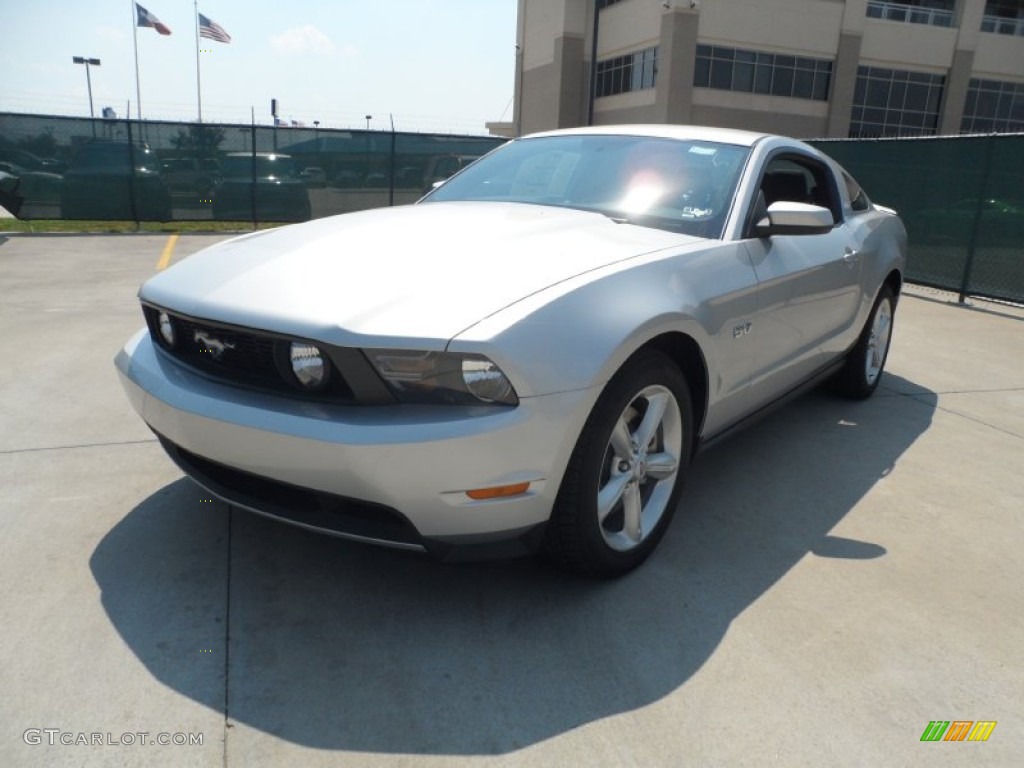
617, 497
862, 371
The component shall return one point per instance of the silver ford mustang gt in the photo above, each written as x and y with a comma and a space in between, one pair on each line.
527, 358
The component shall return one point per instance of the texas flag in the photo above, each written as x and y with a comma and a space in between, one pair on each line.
146, 19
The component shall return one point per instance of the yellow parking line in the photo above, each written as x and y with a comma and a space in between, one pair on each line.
165, 257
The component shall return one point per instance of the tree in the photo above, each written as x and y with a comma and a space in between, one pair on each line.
199, 140
43, 144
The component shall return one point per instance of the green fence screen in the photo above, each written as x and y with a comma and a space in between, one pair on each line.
73, 168
962, 201
961, 197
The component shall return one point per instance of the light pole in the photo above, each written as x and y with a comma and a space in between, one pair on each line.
316, 134
592, 95
88, 79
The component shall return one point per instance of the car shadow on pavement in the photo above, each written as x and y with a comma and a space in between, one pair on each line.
334, 645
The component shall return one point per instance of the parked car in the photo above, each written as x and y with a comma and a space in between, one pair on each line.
36, 187
191, 177
529, 357
409, 177
31, 161
314, 177
346, 178
115, 180
10, 200
265, 187
444, 167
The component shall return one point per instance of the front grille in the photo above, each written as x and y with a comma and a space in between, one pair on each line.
243, 356
327, 512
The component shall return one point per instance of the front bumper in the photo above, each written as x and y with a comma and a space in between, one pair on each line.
400, 471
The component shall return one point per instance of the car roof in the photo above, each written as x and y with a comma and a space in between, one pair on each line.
691, 132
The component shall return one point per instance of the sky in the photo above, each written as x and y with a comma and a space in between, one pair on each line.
434, 65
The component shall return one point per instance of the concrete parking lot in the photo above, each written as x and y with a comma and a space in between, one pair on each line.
838, 576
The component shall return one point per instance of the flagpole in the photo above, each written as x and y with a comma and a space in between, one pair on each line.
199, 91
135, 39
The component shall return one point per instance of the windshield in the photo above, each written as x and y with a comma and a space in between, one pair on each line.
115, 156
682, 186
267, 166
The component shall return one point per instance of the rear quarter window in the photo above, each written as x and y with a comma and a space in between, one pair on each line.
858, 199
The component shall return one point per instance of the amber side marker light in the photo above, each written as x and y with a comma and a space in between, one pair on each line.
498, 492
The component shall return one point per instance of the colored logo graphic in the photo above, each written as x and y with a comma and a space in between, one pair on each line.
958, 730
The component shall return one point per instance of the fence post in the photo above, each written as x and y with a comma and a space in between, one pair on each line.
252, 186
979, 208
131, 174
391, 168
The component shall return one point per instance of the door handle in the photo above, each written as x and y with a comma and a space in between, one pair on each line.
851, 256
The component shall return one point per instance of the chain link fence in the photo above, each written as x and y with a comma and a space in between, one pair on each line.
961, 198
962, 201
115, 169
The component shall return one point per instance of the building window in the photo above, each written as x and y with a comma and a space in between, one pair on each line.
937, 13
1003, 17
731, 69
632, 72
894, 102
993, 106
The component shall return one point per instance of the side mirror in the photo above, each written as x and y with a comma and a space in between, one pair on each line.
789, 218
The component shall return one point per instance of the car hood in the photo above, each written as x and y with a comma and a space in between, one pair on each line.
387, 276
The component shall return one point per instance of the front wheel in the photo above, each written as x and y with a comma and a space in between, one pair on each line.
625, 475
862, 370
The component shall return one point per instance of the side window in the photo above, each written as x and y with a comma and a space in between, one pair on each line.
800, 179
858, 200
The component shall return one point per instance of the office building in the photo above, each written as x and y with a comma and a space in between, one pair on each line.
805, 68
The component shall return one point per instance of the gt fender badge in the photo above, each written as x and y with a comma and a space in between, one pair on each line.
741, 330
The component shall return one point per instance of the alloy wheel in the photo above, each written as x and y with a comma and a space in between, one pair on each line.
878, 342
639, 468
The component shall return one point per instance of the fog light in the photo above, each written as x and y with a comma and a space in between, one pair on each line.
308, 365
166, 328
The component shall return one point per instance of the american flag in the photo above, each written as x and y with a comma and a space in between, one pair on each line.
212, 30
144, 18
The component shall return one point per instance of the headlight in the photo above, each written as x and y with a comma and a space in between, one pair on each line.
308, 365
166, 328
443, 377
486, 380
